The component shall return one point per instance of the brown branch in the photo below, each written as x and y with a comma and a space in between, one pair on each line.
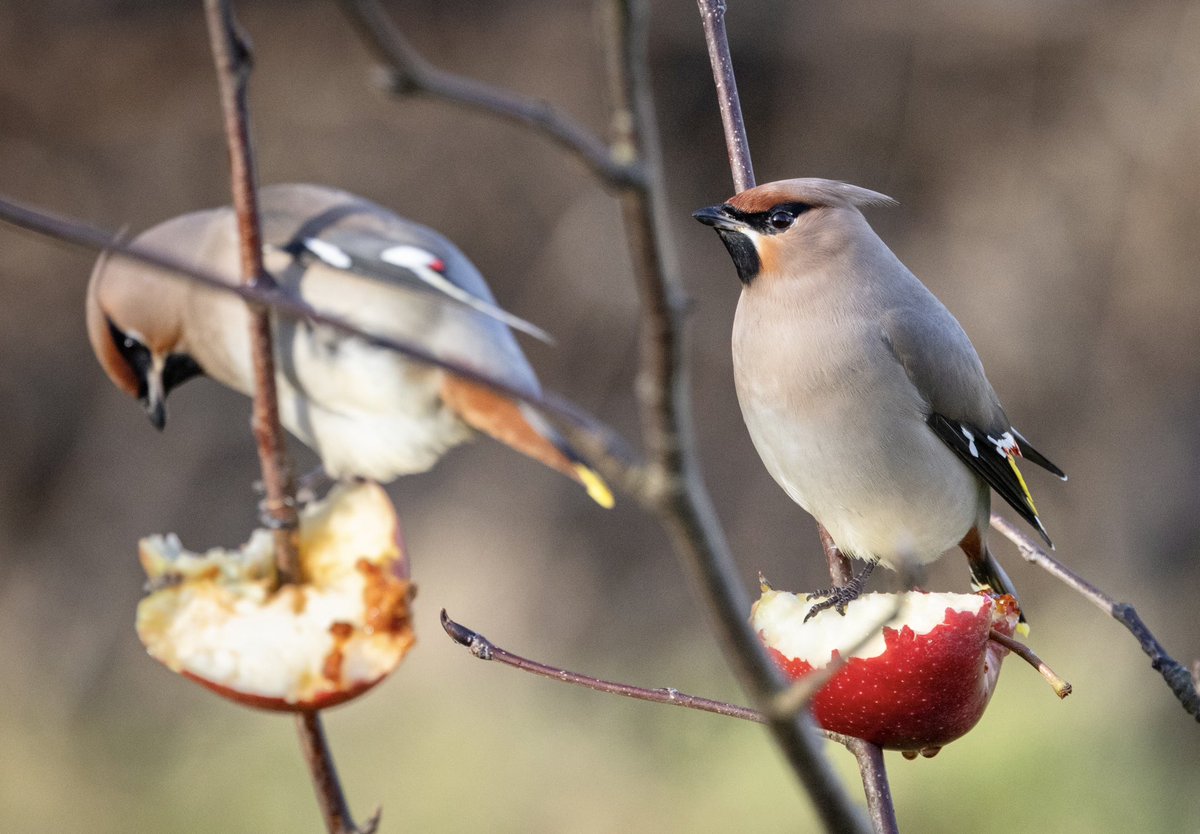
671, 485
324, 773
840, 569
485, 649
1178, 678
408, 73
712, 13
675, 488
712, 16
878, 792
231, 55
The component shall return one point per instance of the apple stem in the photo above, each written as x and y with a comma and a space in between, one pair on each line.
1061, 688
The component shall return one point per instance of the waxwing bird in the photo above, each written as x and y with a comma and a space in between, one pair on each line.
367, 412
861, 392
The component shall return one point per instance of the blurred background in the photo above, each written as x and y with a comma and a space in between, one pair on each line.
1044, 157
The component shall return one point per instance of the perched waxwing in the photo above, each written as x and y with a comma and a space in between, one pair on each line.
861, 392
366, 411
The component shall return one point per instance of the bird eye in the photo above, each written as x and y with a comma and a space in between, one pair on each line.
780, 219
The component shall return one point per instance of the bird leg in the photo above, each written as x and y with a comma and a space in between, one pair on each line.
840, 596
312, 484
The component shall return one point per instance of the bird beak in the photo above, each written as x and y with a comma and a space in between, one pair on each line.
719, 219
155, 399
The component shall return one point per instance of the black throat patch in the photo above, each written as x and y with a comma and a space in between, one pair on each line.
745, 256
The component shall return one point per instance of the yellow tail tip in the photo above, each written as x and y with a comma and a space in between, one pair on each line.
597, 490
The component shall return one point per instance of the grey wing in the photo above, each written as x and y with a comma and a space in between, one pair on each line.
943, 365
313, 223
405, 264
964, 411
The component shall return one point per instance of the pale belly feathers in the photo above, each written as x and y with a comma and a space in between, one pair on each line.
847, 439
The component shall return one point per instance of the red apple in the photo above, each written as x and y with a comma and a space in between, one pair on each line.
918, 683
216, 618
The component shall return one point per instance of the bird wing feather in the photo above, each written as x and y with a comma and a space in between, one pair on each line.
363, 254
964, 411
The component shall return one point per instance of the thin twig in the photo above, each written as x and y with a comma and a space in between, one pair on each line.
1061, 687
880, 806
712, 16
1177, 676
671, 485
484, 649
712, 12
231, 55
325, 778
677, 493
841, 571
408, 73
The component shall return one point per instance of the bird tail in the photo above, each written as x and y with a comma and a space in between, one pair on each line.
522, 428
986, 572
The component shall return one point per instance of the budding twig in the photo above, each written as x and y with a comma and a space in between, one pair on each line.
485, 649
407, 73
1179, 679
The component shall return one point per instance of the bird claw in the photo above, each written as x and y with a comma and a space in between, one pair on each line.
840, 596
268, 519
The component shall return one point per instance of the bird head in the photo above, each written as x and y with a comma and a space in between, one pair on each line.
771, 226
134, 323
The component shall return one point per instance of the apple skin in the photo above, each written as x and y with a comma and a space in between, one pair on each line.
927, 687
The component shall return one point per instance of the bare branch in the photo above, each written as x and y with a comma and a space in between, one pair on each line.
325, 778
672, 486
840, 569
878, 792
712, 16
712, 12
408, 73
231, 55
484, 649
676, 490
1177, 676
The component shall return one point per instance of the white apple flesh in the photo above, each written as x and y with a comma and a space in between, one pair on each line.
217, 618
918, 683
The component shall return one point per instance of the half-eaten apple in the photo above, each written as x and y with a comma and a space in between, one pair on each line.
916, 680
219, 619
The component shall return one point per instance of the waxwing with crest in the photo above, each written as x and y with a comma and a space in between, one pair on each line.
862, 394
366, 411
